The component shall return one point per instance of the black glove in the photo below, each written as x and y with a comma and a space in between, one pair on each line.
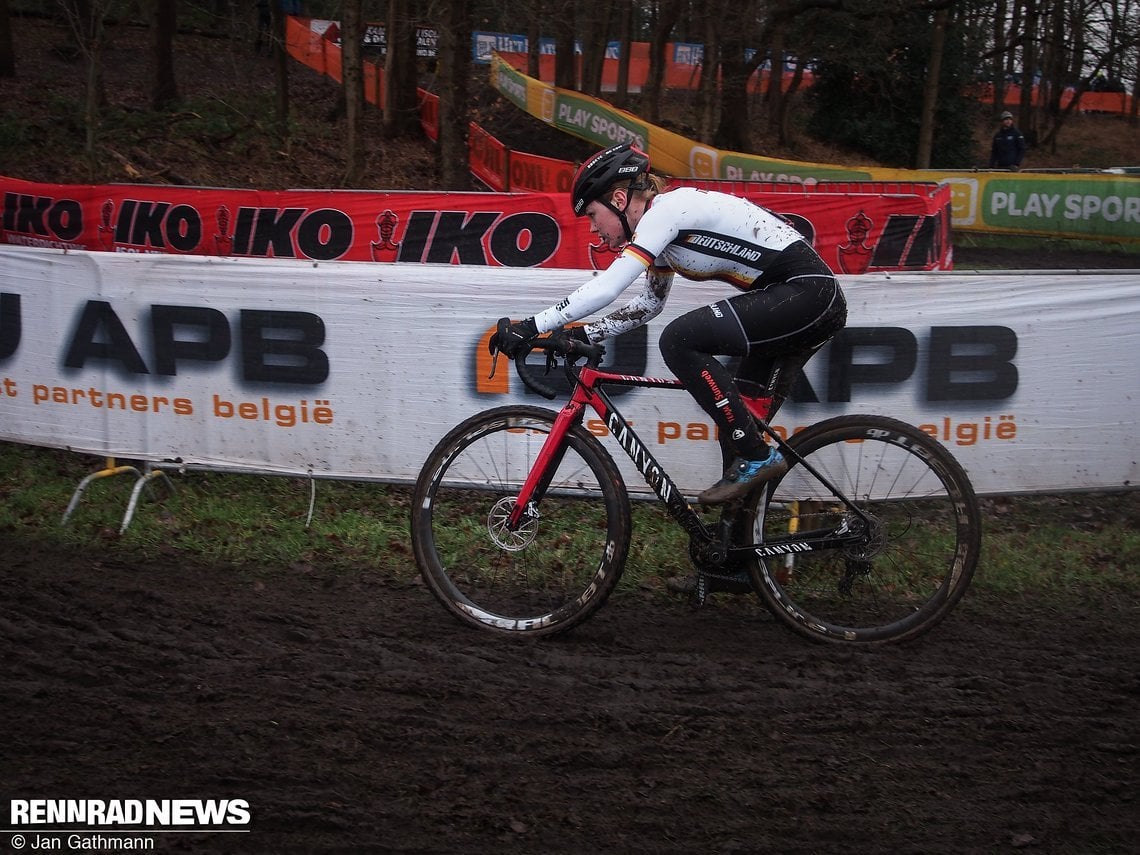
510, 338
565, 338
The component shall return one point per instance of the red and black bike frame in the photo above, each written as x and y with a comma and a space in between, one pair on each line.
588, 393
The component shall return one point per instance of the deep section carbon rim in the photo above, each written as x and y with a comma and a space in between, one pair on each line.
554, 569
918, 540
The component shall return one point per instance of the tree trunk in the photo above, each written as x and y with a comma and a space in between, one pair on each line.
930, 90
534, 39
401, 102
87, 24
454, 51
1027, 120
776, 76
1001, 40
1134, 113
1054, 69
565, 74
163, 23
92, 99
281, 72
783, 137
625, 39
732, 129
668, 11
595, 26
710, 74
352, 75
7, 46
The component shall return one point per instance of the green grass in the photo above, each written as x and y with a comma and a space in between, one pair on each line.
1073, 543
249, 522
1061, 544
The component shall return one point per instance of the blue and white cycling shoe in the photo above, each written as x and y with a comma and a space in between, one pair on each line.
742, 476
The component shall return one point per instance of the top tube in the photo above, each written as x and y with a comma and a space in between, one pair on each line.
589, 375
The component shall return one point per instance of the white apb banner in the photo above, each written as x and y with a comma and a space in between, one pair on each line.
355, 370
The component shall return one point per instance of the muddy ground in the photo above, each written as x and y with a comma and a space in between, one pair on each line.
355, 715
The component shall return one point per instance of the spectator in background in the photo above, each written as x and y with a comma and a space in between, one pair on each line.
1009, 146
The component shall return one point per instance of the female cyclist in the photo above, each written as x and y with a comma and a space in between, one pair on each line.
790, 304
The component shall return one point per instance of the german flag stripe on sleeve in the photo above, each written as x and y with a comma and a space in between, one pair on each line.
644, 256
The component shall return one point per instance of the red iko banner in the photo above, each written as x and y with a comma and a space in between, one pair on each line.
858, 227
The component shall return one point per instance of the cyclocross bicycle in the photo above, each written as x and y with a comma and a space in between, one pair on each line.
521, 521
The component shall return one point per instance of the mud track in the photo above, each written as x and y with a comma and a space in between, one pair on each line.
354, 715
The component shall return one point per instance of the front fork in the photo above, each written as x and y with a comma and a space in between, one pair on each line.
545, 465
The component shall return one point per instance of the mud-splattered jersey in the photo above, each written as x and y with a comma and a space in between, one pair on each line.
699, 234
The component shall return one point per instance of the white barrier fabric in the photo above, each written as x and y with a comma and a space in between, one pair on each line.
354, 370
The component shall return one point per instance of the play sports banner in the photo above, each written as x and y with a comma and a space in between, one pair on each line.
335, 369
856, 228
1080, 205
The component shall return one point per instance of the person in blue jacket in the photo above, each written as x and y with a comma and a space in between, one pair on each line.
1009, 146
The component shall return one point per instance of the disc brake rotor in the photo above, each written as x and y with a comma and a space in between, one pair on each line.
498, 526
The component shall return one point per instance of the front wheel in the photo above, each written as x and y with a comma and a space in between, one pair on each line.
559, 565
919, 533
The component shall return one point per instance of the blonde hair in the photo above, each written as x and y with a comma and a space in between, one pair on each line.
657, 184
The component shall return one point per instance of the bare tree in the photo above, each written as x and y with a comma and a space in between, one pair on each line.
534, 15
7, 46
454, 52
280, 71
352, 75
565, 72
777, 49
667, 14
783, 136
594, 30
708, 96
739, 32
764, 28
1057, 49
794, 30
88, 21
930, 90
163, 24
401, 101
625, 41
1031, 16
999, 56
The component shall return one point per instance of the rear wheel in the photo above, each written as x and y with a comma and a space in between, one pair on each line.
919, 536
556, 568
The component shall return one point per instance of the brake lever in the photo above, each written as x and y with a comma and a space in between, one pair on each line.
494, 362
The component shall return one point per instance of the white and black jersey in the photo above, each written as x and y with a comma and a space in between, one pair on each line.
787, 306
700, 234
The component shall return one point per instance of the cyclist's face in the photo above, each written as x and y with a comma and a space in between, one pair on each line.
606, 223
